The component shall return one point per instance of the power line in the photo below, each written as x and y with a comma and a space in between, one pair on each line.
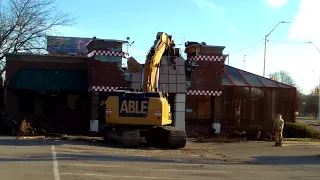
246, 47
289, 42
255, 50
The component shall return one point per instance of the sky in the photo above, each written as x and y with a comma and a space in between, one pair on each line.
239, 25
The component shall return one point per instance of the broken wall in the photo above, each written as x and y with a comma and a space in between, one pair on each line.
171, 80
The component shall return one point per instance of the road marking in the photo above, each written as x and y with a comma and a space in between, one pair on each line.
153, 169
119, 176
55, 164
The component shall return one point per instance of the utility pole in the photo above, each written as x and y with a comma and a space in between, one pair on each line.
265, 46
265, 53
244, 62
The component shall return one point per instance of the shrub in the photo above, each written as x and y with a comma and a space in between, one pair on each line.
25, 128
299, 130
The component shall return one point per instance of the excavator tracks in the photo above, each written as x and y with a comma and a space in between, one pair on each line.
162, 137
128, 138
166, 137
176, 138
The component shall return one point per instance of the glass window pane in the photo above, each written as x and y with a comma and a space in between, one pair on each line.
283, 85
226, 80
268, 83
235, 76
252, 79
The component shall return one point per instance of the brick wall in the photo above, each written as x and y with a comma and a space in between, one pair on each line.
207, 76
106, 74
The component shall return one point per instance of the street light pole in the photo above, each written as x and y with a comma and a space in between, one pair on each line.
129, 44
265, 46
265, 53
319, 102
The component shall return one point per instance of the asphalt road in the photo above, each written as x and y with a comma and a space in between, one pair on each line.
65, 160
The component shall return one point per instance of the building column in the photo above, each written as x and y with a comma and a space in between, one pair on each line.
94, 108
179, 111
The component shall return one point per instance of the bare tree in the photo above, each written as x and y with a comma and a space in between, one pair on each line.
283, 77
25, 24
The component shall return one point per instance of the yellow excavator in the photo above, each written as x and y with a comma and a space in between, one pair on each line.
133, 115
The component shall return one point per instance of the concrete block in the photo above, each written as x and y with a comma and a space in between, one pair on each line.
180, 106
136, 85
172, 88
163, 79
172, 79
95, 97
172, 70
180, 69
181, 78
164, 61
136, 77
180, 98
181, 88
179, 120
163, 87
164, 69
180, 61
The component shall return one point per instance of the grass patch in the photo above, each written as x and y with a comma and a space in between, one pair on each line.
302, 139
305, 118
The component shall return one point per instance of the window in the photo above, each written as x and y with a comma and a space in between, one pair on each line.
26, 103
204, 107
198, 108
49, 105
38, 106
192, 107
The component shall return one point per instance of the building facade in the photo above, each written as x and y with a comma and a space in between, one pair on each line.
65, 93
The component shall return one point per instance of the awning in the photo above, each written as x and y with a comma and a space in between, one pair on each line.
49, 80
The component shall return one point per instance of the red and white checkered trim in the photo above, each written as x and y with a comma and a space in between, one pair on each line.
207, 58
104, 88
204, 93
108, 53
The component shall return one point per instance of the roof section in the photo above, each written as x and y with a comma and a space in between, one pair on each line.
237, 77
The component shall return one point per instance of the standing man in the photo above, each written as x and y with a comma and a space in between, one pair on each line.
278, 125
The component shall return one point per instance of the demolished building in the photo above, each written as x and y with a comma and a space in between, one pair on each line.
65, 92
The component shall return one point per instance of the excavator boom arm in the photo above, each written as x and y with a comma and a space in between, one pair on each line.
163, 44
